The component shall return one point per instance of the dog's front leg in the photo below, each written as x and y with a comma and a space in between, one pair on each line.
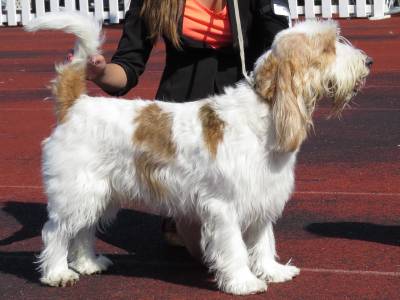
260, 241
225, 251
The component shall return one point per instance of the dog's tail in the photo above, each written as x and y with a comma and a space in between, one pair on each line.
70, 82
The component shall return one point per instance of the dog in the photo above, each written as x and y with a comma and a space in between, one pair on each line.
226, 161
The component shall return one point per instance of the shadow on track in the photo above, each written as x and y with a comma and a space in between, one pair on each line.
384, 234
138, 234
31, 216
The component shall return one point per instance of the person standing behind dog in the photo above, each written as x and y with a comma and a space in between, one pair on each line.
202, 53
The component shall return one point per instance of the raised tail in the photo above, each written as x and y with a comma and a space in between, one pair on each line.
70, 82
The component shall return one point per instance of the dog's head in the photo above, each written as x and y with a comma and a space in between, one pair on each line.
305, 63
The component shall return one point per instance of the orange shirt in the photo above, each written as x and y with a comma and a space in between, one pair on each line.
203, 24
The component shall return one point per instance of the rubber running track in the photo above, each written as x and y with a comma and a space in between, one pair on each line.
341, 227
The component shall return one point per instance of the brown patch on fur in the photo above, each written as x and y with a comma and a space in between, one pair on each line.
213, 128
68, 86
154, 131
154, 135
147, 167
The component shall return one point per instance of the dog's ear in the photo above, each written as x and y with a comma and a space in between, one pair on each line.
289, 112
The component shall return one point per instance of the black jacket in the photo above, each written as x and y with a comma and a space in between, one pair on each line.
197, 70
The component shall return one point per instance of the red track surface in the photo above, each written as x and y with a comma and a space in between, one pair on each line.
341, 227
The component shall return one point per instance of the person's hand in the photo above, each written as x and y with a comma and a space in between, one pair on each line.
95, 66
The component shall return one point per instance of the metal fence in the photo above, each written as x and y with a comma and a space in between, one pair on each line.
17, 12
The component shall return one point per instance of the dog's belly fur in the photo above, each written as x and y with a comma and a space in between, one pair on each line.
92, 157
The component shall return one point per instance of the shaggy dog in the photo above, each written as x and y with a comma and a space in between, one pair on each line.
226, 161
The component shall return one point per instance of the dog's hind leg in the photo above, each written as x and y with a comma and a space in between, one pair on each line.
82, 256
260, 241
75, 208
53, 258
225, 251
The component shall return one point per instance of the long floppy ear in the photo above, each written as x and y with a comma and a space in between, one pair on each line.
279, 82
288, 110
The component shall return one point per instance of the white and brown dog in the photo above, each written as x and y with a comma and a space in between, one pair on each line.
226, 161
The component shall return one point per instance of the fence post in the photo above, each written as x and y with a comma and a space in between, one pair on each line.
344, 9
1, 13
70, 5
326, 7
292, 9
54, 6
361, 8
11, 13
84, 6
114, 14
39, 7
378, 10
99, 10
309, 11
25, 11
126, 5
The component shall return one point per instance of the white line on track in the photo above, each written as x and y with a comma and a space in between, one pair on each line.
297, 192
350, 272
314, 270
20, 187
26, 109
345, 193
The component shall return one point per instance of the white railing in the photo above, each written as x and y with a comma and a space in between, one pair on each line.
15, 12
374, 9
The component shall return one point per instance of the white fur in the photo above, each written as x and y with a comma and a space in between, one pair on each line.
89, 171
87, 30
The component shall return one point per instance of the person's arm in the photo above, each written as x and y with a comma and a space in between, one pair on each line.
129, 61
111, 78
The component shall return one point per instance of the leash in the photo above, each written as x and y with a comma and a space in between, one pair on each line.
240, 40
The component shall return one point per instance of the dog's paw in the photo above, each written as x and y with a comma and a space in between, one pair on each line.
87, 266
275, 272
63, 279
243, 283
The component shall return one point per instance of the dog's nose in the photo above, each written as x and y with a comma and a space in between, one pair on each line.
369, 61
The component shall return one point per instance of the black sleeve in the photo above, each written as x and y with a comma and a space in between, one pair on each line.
134, 47
269, 22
